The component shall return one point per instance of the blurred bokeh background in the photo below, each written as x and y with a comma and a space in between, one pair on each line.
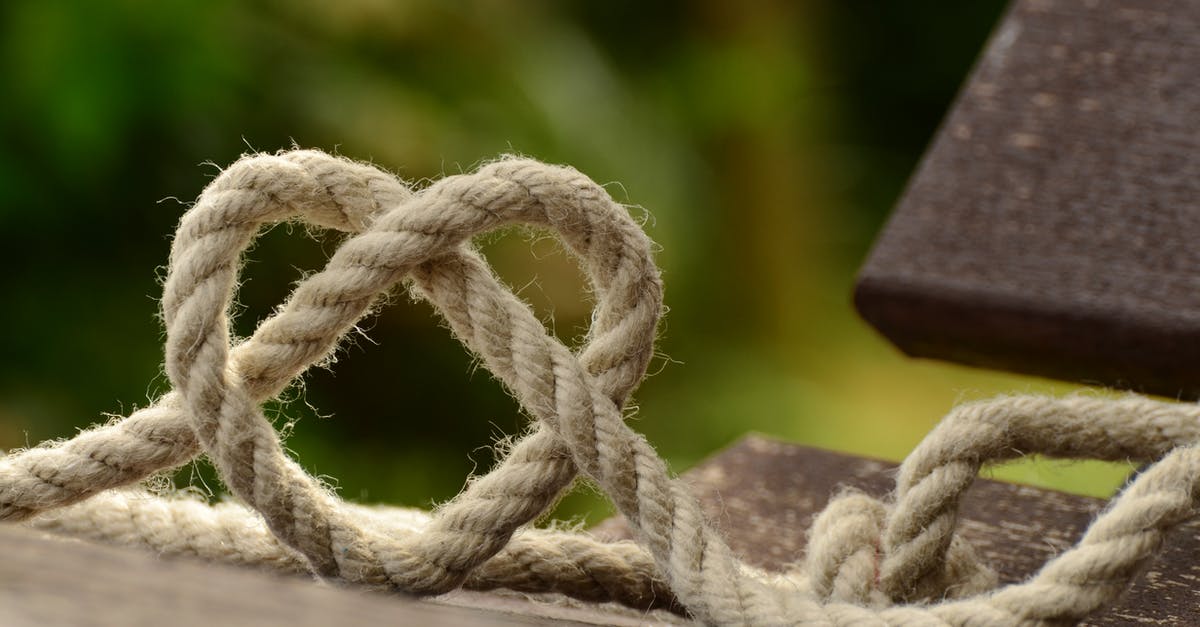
764, 142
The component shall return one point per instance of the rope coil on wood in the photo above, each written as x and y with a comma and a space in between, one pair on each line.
868, 561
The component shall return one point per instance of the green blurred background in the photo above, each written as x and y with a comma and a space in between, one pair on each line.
765, 141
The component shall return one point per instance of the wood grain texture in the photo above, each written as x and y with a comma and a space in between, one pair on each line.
50, 580
763, 495
1050, 228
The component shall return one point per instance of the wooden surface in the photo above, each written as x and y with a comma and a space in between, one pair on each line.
1051, 227
45, 580
762, 493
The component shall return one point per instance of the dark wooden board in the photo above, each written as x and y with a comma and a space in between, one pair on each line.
1051, 227
762, 493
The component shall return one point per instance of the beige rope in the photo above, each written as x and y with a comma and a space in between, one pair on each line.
868, 562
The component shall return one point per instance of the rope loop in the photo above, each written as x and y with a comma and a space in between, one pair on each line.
896, 561
425, 235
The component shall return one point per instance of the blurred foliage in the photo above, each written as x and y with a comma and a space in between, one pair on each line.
764, 142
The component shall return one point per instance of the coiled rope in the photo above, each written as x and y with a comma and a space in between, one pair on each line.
894, 562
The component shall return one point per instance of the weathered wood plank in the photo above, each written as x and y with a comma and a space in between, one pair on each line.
763, 494
48, 580
1050, 228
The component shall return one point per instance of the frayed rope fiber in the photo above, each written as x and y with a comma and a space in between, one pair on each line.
868, 562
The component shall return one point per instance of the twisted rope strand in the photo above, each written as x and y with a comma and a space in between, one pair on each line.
869, 562
933, 479
535, 560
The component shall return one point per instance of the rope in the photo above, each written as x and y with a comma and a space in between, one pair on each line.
896, 561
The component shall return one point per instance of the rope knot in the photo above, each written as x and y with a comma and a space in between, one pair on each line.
869, 561
845, 549
849, 558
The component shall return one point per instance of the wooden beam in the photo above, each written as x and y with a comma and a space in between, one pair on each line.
1051, 227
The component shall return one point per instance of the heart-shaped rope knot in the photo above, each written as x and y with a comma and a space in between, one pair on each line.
893, 562
425, 236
